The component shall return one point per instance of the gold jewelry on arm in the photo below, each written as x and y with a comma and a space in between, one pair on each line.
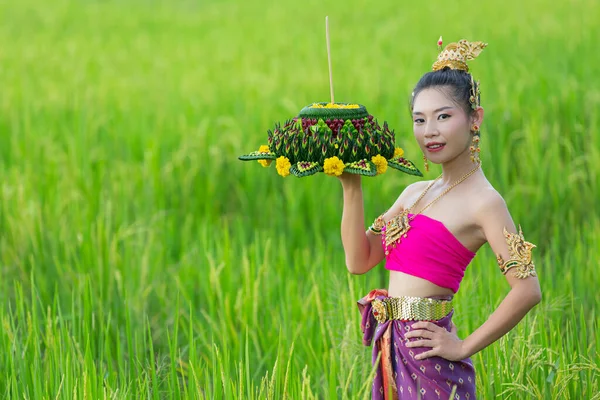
377, 225
519, 255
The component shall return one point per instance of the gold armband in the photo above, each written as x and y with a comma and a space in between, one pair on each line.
377, 225
519, 255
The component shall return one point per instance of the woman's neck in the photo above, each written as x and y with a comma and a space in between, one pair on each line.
457, 168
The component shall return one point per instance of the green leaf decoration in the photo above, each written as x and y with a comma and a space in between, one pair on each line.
322, 130
305, 168
347, 113
361, 167
256, 155
404, 165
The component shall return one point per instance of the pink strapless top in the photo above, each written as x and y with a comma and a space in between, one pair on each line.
430, 251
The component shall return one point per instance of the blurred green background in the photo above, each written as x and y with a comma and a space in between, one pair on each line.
142, 259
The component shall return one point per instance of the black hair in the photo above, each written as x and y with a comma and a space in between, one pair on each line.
455, 83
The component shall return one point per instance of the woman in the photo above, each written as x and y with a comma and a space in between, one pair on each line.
428, 237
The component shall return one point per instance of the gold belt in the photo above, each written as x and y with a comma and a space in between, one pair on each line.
410, 309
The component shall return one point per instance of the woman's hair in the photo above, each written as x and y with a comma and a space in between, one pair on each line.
453, 82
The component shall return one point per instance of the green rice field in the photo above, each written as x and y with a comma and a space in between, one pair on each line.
142, 260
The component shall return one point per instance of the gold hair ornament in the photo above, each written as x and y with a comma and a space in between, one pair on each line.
475, 94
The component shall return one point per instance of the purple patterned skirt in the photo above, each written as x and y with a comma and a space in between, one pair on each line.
399, 375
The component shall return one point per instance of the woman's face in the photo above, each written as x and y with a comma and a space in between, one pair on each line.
442, 128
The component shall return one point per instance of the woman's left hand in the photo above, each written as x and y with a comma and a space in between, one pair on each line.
443, 343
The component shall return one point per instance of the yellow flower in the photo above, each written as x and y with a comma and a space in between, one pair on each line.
380, 162
283, 166
398, 152
333, 166
264, 149
334, 105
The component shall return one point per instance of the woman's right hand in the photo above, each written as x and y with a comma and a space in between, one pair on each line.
349, 180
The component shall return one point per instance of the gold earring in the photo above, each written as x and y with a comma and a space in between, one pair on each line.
475, 150
426, 163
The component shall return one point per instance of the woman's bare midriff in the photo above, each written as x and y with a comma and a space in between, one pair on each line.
402, 284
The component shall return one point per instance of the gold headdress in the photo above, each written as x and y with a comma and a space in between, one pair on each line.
456, 55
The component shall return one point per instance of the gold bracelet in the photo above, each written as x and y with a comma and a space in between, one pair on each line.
377, 225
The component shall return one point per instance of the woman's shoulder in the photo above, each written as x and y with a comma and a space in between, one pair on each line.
415, 187
409, 192
488, 202
412, 190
